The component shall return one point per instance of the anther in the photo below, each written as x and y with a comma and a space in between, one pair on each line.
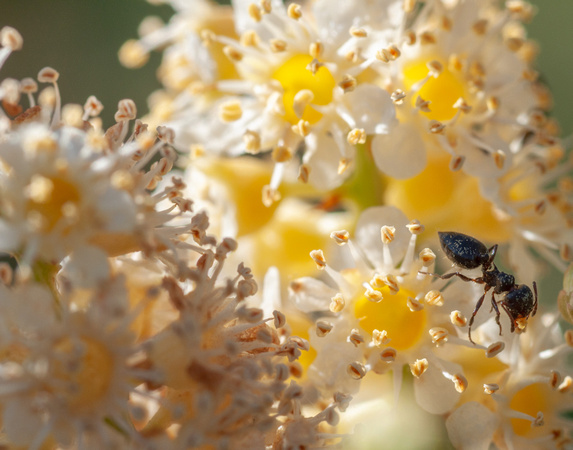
230, 111
277, 45
434, 298
315, 49
427, 38
458, 319
11, 38
499, 159
302, 99
355, 337
294, 11
279, 319
414, 305
490, 388
318, 257
348, 83
323, 328
436, 127
388, 355
358, 32
232, 53
415, 227
282, 154
460, 382
340, 237
427, 256
380, 338
555, 379
423, 105
301, 128
252, 141
457, 162
439, 335
303, 173
337, 303
255, 12
565, 386
250, 38
373, 295
419, 367
480, 27
398, 96
343, 165
356, 370
494, 349
356, 136
387, 234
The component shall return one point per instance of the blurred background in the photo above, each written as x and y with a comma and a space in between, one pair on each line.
80, 38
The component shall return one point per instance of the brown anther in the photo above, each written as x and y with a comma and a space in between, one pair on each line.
427, 38
457, 162
514, 43
337, 303
250, 38
555, 379
494, 349
250, 315
423, 105
348, 83
409, 37
435, 68
490, 388
232, 53
340, 237
439, 335
458, 319
358, 32
11, 38
277, 45
530, 75
355, 337
279, 319
303, 173
252, 141
281, 154
301, 128
427, 256
356, 370
270, 195
255, 12
28, 85
539, 420
565, 385
266, 6
230, 111
356, 136
460, 382
499, 159
398, 96
323, 328
373, 295
414, 304
93, 106
165, 134
415, 227
462, 105
480, 27
380, 338
387, 233
315, 49
419, 367
126, 110
388, 355
382, 55
540, 207
568, 335
445, 23
294, 11
565, 252
48, 75
434, 298
318, 257
343, 165
436, 127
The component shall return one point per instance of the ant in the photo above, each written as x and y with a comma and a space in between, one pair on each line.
467, 252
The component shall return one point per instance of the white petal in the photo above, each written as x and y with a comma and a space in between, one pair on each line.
368, 233
471, 427
401, 153
311, 295
372, 108
434, 392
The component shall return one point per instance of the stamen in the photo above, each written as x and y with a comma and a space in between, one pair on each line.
490, 388
419, 367
323, 328
380, 338
434, 298
356, 136
458, 319
388, 355
303, 173
356, 370
439, 335
230, 111
49, 75
294, 11
348, 83
494, 349
337, 303
355, 337
318, 257
252, 141
340, 237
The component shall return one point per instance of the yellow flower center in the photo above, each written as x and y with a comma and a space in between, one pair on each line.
442, 91
531, 400
404, 327
294, 76
90, 373
443, 200
50, 199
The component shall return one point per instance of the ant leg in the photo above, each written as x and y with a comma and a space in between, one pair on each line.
535, 304
497, 314
510, 316
458, 274
478, 306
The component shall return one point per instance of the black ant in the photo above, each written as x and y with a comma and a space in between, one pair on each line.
467, 252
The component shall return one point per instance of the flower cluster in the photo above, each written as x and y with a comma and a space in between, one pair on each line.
325, 144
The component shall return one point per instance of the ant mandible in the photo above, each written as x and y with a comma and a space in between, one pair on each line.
467, 252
